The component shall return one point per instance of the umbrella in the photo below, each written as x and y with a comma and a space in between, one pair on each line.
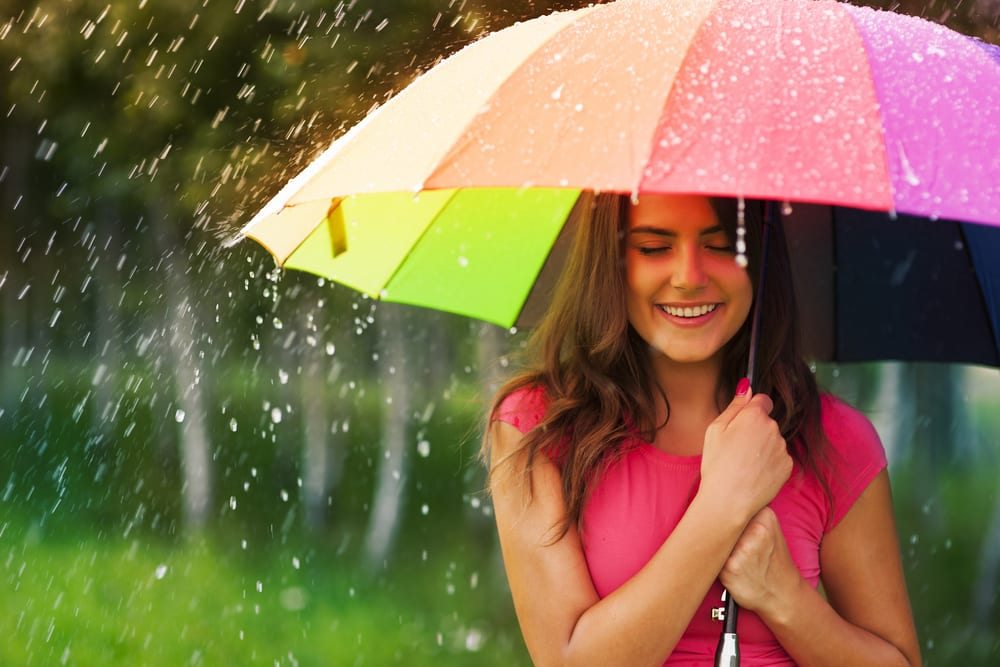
454, 193
451, 194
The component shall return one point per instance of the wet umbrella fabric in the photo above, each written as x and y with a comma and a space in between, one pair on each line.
452, 194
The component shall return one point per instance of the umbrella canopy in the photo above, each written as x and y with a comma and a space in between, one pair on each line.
452, 194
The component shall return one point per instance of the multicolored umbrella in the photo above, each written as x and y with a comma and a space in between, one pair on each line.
452, 194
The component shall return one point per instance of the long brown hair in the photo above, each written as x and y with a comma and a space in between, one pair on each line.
594, 368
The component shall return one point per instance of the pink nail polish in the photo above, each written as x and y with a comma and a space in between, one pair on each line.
742, 387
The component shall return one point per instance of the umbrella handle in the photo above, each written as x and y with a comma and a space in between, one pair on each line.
727, 653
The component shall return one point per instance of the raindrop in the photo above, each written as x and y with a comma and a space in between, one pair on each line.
179, 416
233, 425
463, 261
473, 640
295, 562
424, 448
276, 415
282, 376
330, 349
425, 509
161, 571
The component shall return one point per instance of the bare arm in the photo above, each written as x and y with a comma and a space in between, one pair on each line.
563, 620
867, 620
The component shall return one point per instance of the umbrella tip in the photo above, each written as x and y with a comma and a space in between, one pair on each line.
234, 239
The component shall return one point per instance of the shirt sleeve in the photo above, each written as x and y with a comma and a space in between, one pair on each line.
523, 408
855, 456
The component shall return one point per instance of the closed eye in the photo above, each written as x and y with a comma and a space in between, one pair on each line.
652, 250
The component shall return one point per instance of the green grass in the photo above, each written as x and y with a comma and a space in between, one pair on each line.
91, 602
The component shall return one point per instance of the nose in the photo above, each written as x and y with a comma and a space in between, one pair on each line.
689, 272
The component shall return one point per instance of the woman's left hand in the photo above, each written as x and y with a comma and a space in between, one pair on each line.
760, 573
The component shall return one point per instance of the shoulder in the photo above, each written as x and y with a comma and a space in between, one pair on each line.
848, 429
523, 408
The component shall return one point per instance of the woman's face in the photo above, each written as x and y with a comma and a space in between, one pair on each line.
685, 294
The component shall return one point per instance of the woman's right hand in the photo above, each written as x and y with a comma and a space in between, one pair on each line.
745, 458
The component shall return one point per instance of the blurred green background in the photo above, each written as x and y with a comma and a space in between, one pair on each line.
206, 461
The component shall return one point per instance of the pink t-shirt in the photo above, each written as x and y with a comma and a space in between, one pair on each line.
638, 502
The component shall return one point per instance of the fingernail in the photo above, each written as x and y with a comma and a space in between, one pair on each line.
742, 387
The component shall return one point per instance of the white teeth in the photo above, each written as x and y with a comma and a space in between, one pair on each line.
688, 311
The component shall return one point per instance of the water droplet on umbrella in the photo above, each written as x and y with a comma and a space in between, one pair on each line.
908, 173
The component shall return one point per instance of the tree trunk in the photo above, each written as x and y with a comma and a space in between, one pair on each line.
181, 326
984, 595
894, 413
105, 290
491, 350
321, 464
387, 505
15, 156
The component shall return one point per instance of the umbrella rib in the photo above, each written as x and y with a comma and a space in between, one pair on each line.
650, 145
993, 316
884, 153
409, 251
465, 138
541, 281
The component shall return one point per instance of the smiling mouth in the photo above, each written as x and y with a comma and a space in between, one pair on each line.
689, 311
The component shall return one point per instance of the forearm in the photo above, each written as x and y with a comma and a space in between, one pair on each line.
642, 621
815, 635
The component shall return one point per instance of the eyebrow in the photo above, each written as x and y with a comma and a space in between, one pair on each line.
660, 231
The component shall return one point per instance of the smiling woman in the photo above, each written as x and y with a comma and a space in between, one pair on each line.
686, 296
630, 484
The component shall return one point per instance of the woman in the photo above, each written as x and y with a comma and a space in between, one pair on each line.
634, 473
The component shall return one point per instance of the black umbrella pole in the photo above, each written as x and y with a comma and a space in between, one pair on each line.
727, 653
